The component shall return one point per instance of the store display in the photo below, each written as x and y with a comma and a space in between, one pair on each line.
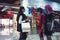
4, 27
6, 22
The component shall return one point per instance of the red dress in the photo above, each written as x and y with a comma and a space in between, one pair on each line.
39, 23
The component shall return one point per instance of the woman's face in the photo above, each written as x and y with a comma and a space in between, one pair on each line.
47, 11
23, 10
57, 17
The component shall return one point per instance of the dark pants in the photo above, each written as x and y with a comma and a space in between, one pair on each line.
23, 36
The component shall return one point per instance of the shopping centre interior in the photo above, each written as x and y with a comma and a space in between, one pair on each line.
8, 14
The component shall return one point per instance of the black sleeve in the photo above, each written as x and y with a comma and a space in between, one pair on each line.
52, 16
18, 15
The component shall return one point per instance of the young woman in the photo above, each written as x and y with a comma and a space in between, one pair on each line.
40, 22
48, 22
21, 17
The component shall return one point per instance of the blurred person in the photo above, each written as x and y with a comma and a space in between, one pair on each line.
48, 22
56, 22
40, 22
21, 17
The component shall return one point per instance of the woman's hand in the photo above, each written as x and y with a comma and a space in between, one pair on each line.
28, 20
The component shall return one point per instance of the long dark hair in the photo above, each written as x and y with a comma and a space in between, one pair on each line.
20, 10
39, 10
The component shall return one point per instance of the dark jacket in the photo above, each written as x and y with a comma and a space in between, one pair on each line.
19, 27
48, 24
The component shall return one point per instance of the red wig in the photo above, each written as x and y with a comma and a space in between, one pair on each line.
49, 8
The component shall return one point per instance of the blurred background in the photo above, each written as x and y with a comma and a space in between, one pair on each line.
8, 14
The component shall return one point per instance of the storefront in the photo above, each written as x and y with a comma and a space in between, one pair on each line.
8, 10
